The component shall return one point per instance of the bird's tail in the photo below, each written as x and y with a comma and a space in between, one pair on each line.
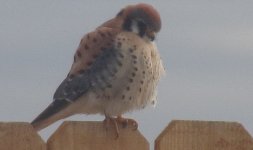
41, 124
54, 112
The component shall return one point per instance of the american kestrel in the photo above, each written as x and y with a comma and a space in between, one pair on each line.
116, 69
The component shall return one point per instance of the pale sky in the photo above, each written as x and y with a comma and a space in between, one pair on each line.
206, 47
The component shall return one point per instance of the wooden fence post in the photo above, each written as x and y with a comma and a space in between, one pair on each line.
179, 135
19, 136
93, 136
204, 135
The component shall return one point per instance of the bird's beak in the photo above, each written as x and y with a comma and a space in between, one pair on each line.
151, 34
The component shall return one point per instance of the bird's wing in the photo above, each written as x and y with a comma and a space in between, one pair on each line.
93, 57
95, 63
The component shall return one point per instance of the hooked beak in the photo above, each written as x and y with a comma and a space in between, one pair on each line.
151, 35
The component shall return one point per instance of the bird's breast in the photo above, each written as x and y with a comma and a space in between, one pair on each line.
133, 86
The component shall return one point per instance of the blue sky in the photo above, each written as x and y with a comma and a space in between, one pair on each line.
206, 47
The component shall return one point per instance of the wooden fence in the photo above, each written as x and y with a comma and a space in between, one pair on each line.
178, 135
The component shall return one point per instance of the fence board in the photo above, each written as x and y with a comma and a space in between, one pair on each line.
94, 136
204, 135
179, 135
19, 136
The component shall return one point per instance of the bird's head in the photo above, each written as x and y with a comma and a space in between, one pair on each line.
142, 19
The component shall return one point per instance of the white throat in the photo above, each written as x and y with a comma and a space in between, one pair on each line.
134, 27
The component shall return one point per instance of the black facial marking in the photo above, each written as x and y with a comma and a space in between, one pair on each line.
127, 24
142, 28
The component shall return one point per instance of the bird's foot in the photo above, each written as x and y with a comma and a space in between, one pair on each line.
127, 122
111, 120
124, 122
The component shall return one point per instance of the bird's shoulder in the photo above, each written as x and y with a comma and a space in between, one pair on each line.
95, 51
91, 46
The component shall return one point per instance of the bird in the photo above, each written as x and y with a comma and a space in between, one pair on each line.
116, 69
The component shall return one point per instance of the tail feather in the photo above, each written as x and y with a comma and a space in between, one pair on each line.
51, 114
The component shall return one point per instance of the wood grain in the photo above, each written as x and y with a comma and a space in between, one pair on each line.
93, 136
204, 135
19, 136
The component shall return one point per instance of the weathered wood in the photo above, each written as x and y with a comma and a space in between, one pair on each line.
204, 135
94, 136
19, 136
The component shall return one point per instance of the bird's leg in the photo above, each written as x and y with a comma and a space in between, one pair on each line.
106, 122
125, 122
112, 120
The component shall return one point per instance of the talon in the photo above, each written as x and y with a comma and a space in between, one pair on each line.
135, 125
125, 122
112, 120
